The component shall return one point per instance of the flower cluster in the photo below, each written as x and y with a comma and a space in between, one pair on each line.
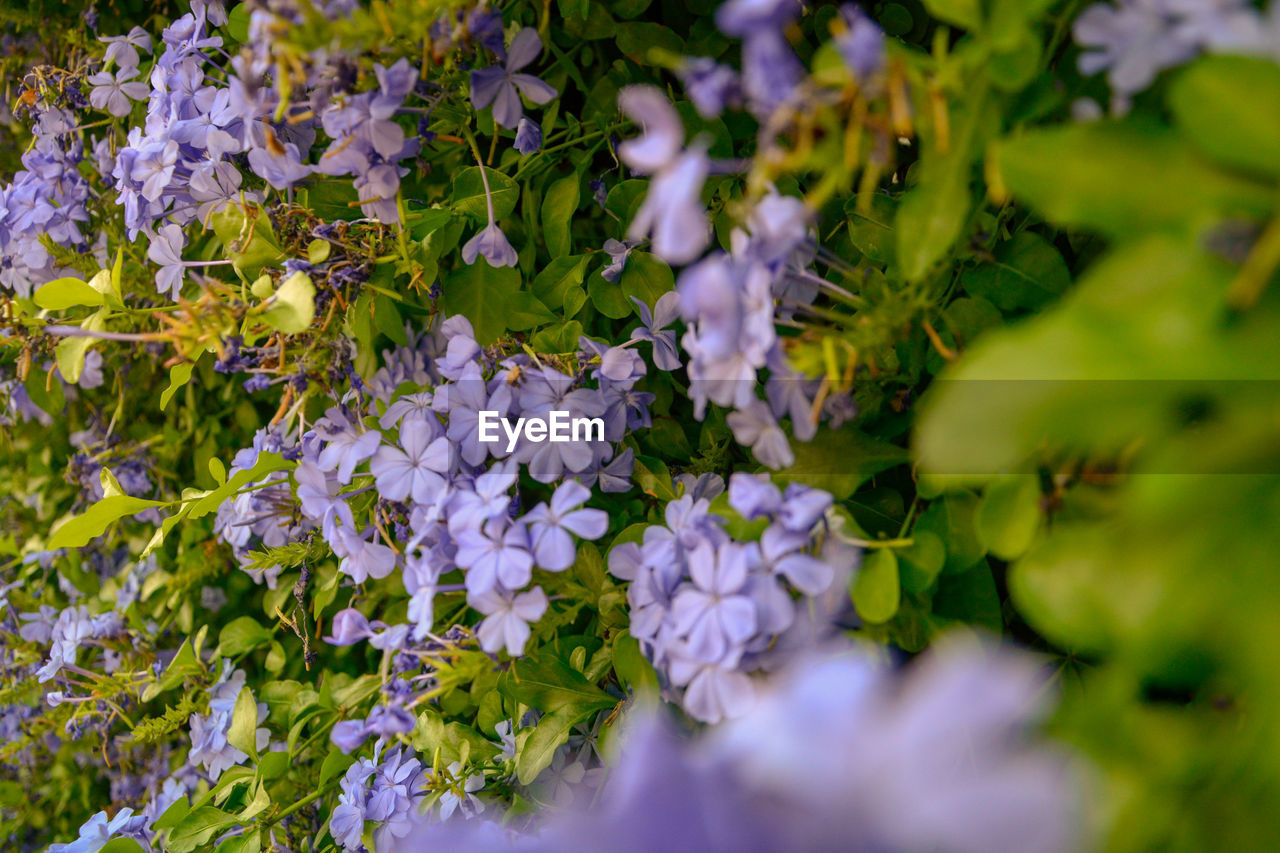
1134, 40
708, 609
445, 498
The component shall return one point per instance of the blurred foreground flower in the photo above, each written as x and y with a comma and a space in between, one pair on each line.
839, 753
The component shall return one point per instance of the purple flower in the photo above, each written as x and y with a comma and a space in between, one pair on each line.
860, 41
113, 92
753, 495
348, 735
770, 71
346, 447
662, 139
754, 426
710, 85
746, 18
348, 627
550, 526
654, 329
414, 470
166, 250
362, 559
498, 84
672, 212
493, 245
123, 50
711, 614
617, 252
495, 553
377, 189
528, 137
507, 618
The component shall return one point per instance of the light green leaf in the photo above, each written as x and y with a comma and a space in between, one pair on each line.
79, 530
1226, 106
294, 305
1009, 515
243, 734
558, 206
179, 375
541, 744
1071, 175
63, 293
876, 592
241, 635
121, 845
962, 13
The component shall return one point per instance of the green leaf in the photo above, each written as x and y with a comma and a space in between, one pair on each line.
876, 592
70, 354
970, 596
919, 564
179, 375
1009, 515
468, 194
46, 392
237, 25
121, 845
646, 278
951, 520
840, 460
267, 463
1071, 175
81, 529
608, 297
871, 229
481, 293
386, 316
1226, 107
558, 278
931, 216
541, 744
548, 683
241, 635
273, 765
632, 667
184, 666
197, 827
294, 305
558, 206
962, 13
1027, 272
525, 311
63, 293
250, 246
243, 734
318, 251
1043, 384
644, 42
334, 765
250, 842
653, 478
